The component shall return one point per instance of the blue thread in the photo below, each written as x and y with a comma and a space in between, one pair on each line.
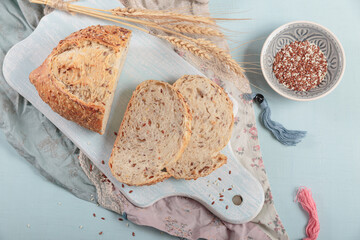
284, 136
125, 215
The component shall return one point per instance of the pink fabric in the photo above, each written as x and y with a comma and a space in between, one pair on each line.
307, 202
172, 215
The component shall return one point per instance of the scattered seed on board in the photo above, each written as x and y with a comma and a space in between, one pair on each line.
219, 179
213, 203
102, 162
103, 218
88, 143
127, 225
130, 191
227, 207
59, 203
81, 227
100, 233
232, 186
229, 189
122, 185
115, 133
28, 225
133, 234
94, 214
120, 219
221, 199
229, 172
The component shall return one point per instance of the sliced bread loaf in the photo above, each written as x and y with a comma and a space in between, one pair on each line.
154, 132
78, 79
212, 123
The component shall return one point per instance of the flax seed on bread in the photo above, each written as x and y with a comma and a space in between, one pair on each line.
78, 79
154, 132
212, 123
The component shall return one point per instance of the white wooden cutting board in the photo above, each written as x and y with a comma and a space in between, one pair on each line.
148, 58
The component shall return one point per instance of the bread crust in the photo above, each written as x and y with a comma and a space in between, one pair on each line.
88, 115
185, 140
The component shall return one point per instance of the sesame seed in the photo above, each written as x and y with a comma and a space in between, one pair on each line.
28, 225
81, 227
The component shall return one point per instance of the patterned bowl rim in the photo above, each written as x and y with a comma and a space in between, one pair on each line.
267, 43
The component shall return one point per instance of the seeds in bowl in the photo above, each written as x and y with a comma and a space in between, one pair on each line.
300, 66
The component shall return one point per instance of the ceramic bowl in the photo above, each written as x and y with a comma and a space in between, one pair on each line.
314, 33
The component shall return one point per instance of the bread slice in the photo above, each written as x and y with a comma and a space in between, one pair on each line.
154, 132
212, 124
78, 79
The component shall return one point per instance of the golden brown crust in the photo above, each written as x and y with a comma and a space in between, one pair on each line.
88, 115
113, 37
186, 137
221, 158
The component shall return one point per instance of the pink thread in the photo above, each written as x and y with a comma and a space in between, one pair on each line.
304, 197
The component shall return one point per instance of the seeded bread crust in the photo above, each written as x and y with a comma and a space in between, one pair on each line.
132, 140
91, 115
212, 125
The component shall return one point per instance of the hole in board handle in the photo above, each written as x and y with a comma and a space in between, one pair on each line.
237, 200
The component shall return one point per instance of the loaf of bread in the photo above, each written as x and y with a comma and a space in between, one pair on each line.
78, 79
154, 132
211, 126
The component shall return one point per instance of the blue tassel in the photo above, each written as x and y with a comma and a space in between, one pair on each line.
286, 137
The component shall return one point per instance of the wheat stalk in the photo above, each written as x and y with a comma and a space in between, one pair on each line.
180, 43
193, 29
158, 14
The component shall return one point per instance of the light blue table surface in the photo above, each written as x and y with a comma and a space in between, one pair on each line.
327, 161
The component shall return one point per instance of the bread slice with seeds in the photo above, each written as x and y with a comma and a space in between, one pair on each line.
212, 124
78, 79
154, 132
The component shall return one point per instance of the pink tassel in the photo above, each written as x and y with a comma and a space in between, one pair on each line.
304, 197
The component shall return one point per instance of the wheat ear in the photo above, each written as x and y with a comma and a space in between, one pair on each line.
221, 54
193, 29
180, 43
